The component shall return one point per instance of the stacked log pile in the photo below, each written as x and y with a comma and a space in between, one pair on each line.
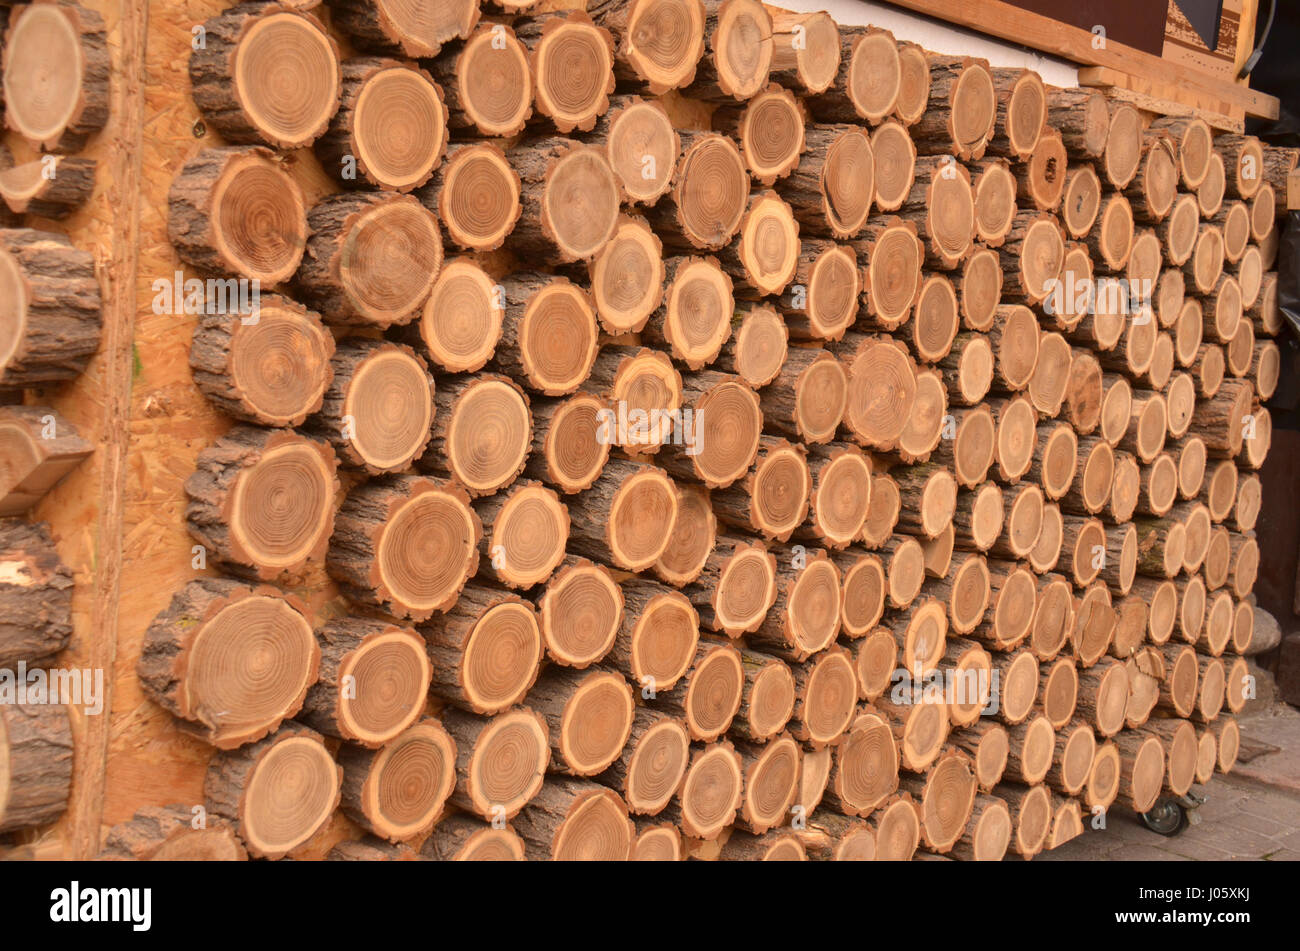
55, 68
745, 435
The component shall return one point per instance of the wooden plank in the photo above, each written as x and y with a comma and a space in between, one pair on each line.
1163, 98
1007, 22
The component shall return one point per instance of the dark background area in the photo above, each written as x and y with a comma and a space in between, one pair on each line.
1136, 23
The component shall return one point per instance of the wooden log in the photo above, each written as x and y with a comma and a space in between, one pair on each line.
37, 449
757, 349
945, 798
373, 682
770, 129
1032, 258
233, 661
772, 499
694, 533
765, 253
382, 535
736, 587
1022, 112
1142, 769
896, 828
548, 333
806, 50
628, 277
167, 834
580, 613
881, 389
961, 115
1008, 621
652, 763
710, 795
995, 200
840, 495
826, 691
1243, 159
460, 323
1031, 816
968, 368
894, 160
1209, 195
1123, 152
1155, 186
625, 518
965, 588
768, 698
914, 85
572, 62
588, 716
831, 190
481, 434
37, 743
1111, 239
56, 110
272, 366
501, 761
53, 187
1082, 117
576, 820
524, 534
1024, 521
475, 193
1041, 180
657, 638
485, 650
641, 144
552, 228
240, 785
739, 57
920, 727
53, 326
1193, 146
658, 842
710, 189
258, 227
357, 414
892, 277
658, 43
36, 592
1081, 200
486, 82
771, 772
388, 26
463, 838
261, 501
398, 792
228, 72
390, 131
987, 834
721, 439
868, 80
804, 618
693, 321
942, 206
567, 450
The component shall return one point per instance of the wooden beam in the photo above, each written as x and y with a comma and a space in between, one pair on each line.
1015, 25
1164, 98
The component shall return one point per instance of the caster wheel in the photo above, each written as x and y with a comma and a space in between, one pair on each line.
1167, 817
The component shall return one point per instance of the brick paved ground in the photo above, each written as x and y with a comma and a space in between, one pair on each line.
1253, 813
